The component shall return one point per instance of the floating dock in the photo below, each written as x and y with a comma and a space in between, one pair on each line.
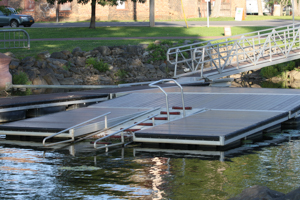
214, 116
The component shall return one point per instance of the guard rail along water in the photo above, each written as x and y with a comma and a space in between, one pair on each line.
14, 38
230, 55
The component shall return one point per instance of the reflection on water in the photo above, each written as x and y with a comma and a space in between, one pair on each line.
27, 172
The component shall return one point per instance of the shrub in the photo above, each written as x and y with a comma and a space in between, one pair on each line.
20, 78
268, 84
99, 65
279, 70
121, 73
67, 66
158, 51
269, 72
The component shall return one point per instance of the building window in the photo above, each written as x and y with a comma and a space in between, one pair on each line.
65, 7
121, 4
29, 5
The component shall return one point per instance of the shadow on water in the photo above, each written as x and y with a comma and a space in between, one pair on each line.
30, 171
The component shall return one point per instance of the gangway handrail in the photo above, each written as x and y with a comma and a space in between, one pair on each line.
250, 46
230, 37
122, 134
167, 101
72, 127
14, 39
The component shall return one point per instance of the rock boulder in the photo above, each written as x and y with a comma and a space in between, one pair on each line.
5, 76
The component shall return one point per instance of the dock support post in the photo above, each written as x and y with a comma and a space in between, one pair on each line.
222, 140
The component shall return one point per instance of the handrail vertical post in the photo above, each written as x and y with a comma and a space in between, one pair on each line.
105, 121
285, 44
122, 137
167, 104
202, 65
182, 98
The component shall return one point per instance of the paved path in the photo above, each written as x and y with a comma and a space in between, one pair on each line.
127, 38
278, 22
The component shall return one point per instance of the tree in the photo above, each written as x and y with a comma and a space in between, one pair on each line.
283, 4
93, 6
296, 11
217, 9
260, 10
298, 8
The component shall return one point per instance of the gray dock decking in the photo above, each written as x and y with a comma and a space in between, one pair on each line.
230, 114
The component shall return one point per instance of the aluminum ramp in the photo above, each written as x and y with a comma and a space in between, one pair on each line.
222, 57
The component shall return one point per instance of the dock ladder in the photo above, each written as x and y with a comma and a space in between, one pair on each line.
166, 94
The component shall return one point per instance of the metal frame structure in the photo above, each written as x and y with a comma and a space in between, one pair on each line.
14, 38
230, 55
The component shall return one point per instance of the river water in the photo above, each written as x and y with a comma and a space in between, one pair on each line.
30, 171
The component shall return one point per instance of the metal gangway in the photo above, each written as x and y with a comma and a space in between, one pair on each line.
226, 56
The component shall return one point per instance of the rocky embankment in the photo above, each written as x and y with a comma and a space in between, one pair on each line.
126, 64
257, 192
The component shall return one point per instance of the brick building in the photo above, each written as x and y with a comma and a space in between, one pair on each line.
164, 10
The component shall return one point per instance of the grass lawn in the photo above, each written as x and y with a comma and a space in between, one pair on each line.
86, 45
38, 33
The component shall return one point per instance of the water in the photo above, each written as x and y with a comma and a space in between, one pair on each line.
28, 171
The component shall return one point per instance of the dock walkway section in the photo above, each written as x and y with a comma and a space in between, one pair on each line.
219, 116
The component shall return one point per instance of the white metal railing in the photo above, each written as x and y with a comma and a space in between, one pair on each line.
122, 134
166, 94
239, 51
115, 122
72, 131
14, 38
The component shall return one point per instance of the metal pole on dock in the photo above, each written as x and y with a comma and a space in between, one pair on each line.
207, 1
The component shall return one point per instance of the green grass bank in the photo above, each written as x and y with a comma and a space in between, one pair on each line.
110, 33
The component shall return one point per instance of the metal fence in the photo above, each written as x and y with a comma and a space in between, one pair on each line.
14, 38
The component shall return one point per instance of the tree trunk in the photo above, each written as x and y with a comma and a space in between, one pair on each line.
281, 9
217, 9
260, 10
298, 8
93, 17
57, 11
296, 11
